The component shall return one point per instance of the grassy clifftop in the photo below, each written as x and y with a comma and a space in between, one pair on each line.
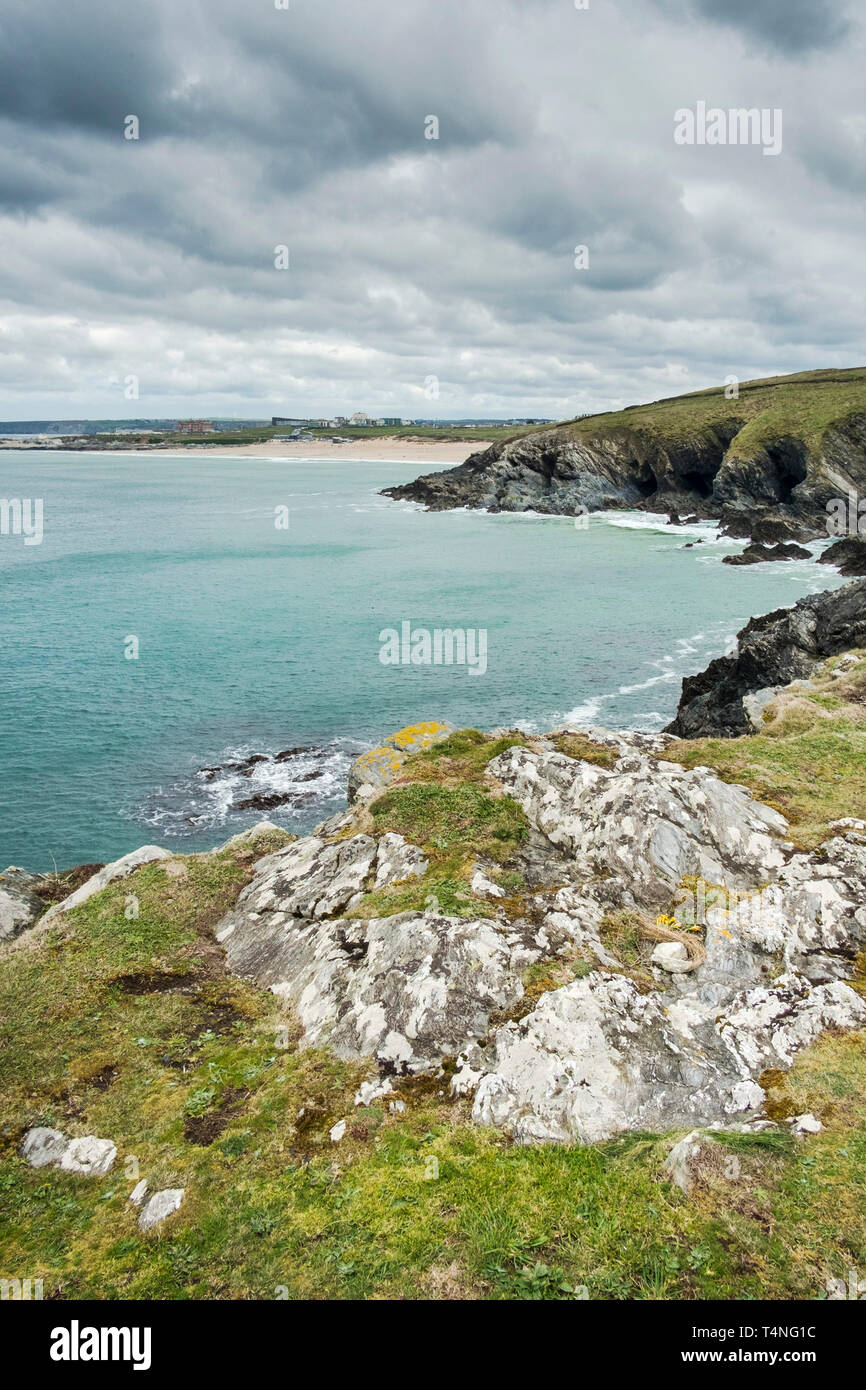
132, 1030
802, 406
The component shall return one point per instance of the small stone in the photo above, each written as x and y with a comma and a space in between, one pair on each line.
338, 1131
397, 1107
91, 1157
43, 1146
138, 1193
483, 887
160, 1205
806, 1124
671, 956
677, 1166
368, 1091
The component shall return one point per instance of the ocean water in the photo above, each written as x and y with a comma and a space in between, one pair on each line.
255, 641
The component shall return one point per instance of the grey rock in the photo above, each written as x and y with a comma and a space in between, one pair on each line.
679, 1164
598, 1057
159, 1206
310, 878
91, 1157
806, 1124
373, 771
20, 904
646, 821
671, 956
397, 860
42, 1147
258, 831
407, 990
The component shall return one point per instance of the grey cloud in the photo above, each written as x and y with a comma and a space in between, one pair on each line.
411, 257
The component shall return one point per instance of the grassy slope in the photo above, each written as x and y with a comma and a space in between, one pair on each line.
130, 1029
802, 406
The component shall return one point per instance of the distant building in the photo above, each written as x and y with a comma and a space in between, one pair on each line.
359, 418
195, 427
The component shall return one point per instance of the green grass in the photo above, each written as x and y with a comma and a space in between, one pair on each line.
462, 757
802, 406
443, 819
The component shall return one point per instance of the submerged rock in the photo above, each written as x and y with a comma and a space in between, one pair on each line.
848, 555
758, 554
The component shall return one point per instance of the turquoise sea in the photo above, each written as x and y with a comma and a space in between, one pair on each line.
256, 640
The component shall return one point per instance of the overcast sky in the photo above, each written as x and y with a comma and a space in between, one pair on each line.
412, 258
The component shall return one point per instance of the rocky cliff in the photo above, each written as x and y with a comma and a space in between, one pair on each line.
783, 449
771, 651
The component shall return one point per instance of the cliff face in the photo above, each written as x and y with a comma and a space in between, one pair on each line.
782, 449
771, 651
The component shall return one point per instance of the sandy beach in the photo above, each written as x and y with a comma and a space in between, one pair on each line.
389, 449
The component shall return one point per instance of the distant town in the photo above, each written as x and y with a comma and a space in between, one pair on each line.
162, 433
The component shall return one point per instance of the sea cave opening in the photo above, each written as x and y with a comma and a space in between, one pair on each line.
790, 464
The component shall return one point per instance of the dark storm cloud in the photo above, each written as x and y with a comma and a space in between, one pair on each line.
791, 26
413, 257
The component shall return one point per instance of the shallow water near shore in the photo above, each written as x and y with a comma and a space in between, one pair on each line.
256, 640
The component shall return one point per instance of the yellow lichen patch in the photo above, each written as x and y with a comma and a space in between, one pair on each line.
417, 736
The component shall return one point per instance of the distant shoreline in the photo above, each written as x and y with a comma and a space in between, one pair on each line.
385, 449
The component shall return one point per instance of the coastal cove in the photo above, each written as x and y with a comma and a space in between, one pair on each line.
255, 640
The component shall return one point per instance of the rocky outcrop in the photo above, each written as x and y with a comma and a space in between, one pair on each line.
598, 1057
848, 555
648, 822
772, 651
601, 1054
408, 990
693, 454
760, 554
20, 903
759, 977
561, 472
373, 771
